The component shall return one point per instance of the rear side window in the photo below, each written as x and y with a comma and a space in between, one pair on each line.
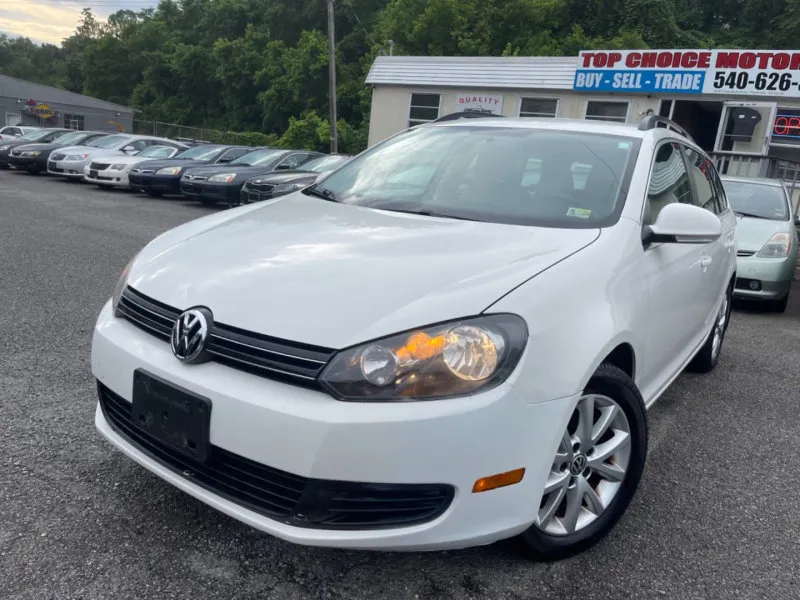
702, 171
669, 182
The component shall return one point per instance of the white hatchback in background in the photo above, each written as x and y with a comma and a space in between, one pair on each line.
112, 171
69, 162
427, 348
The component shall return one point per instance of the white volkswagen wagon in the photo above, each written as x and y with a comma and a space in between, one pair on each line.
452, 339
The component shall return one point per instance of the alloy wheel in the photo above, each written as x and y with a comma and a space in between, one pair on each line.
719, 327
589, 467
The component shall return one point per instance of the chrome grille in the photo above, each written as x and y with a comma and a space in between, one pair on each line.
99, 166
259, 187
58, 156
261, 355
745, 252
195, 177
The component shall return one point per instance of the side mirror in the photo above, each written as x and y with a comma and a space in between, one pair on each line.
282, 168
224, 160
683, 224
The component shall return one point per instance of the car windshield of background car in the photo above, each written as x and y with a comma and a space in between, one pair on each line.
757, 200
72, 139
324, 163
35, 135
155, 152
109, 142
200, 153
256, 158
518, 176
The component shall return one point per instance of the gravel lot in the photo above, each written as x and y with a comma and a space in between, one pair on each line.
716, 516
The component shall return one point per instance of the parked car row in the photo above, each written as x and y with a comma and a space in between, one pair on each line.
208, 173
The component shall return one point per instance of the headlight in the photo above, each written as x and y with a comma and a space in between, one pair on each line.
121, 283
169, 171
223, 177
286, 188
77, 157
778, 246
30, 153
118, 167
441, 361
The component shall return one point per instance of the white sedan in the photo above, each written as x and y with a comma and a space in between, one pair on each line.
427, 349
70, 161
112, 171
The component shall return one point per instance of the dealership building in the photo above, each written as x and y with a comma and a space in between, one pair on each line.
743, 107
31, 104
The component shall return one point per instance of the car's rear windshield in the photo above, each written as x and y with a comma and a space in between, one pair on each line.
108, 142
757, 200
257, 158
520, 176
200, 152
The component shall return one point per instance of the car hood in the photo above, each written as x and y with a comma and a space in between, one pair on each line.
125, 159
331, 274
91, 151
15, 143
39, 147
163, 163
752, 234
287, 177
240, 170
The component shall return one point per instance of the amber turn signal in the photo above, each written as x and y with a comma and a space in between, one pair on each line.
496, 481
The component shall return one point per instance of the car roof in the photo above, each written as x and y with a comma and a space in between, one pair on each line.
581, 125
756, 180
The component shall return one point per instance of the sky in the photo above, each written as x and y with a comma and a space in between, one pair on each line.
53, 20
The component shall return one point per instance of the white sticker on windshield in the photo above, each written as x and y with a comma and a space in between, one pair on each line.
624, 145
581, 213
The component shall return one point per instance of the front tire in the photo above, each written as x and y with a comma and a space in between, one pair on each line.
708, 356
596, 469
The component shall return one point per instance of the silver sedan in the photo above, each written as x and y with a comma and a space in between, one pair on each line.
767, 239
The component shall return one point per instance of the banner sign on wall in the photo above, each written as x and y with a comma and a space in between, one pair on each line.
492, 103
729, 72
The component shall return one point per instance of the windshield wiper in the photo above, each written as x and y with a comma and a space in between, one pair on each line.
318, 192
428, 213
744, 214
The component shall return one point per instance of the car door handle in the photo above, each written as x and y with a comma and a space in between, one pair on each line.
705, 262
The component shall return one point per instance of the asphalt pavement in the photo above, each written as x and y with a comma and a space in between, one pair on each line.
716, 515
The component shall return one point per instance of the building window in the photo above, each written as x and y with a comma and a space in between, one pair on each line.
597, 110
74, 122
539, 107
424, 108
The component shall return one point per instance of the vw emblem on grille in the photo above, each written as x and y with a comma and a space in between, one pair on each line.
189, 335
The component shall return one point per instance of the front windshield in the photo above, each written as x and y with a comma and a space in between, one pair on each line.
156, 152
200, 153
757, 200
495, 174
256, 158
109, 142
35, 135
72, 139
323, 164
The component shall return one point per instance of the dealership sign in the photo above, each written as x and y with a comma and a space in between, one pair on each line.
480, 102
730, 72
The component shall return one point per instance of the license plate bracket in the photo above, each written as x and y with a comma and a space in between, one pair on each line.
92, 174
174, 416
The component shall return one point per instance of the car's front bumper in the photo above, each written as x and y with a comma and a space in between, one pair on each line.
72, 169
165, 184
309, 434
106, 177
226, 193
764, 278
28, 163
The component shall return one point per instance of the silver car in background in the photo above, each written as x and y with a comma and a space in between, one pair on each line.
767, 239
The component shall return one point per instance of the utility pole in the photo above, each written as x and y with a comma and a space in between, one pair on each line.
332, 77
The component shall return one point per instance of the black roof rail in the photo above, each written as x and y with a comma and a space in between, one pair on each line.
653, 121
467, 114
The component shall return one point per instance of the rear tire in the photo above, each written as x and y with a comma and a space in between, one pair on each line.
552, 537
708, 356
